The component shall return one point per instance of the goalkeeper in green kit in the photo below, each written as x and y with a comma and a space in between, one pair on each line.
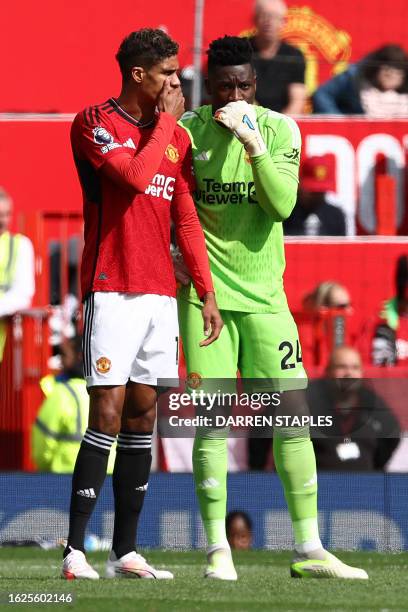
246, 161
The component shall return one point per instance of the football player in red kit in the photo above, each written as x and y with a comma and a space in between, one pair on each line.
134, 164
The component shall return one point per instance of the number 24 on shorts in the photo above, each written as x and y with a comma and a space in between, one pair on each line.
289, 360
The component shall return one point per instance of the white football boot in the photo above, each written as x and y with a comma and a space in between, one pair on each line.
133, 565
322, 564
220, 565
76, 566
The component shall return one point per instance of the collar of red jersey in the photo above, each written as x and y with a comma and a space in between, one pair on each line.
129, 118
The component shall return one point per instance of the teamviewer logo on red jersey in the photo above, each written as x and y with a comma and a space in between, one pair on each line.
161, 187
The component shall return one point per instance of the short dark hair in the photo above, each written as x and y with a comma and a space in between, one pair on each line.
236, 514
145, 48
229, 51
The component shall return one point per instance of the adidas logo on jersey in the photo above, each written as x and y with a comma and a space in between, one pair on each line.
203, 156
114, 145
87, 493
129, 143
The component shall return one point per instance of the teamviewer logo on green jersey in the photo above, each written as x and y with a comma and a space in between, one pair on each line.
238, 192
252, 193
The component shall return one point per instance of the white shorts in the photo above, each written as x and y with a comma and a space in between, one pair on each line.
130, 337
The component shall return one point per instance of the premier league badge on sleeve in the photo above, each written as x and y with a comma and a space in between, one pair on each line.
102, 136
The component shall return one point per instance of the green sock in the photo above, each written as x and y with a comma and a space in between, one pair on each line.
296, 465
210, 476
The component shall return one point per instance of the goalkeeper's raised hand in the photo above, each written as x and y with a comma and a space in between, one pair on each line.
240, 118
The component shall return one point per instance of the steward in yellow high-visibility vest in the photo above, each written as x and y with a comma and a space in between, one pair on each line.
60, 425
16, 269
63, 416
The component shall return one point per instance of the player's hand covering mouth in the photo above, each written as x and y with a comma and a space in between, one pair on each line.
240, 118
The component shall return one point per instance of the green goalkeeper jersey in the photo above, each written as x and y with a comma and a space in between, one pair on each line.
241, 203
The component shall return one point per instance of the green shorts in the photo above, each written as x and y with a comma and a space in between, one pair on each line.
261, 346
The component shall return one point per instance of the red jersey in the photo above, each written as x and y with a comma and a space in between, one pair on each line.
134, 178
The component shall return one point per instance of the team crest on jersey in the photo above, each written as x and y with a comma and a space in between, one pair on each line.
102, 136
194, 380
103, 365
172, 154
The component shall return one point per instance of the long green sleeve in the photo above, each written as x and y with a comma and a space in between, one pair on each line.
276, 190
276, 172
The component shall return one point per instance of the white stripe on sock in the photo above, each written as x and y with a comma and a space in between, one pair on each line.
92, 440
99, 434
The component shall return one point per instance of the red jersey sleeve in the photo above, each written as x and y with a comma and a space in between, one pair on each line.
191, 241
132, 171
93, 141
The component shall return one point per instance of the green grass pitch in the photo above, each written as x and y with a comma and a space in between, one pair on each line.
264, 584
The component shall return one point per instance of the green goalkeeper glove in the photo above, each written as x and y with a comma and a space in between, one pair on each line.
240, 118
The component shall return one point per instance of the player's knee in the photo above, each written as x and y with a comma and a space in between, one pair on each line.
293, 403
105, 410
106, 421
142, 420
105, 417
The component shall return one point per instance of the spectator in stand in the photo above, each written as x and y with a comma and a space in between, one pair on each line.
16, 268
390, 342
313, 215
365, 432
280, 67
377, 86
63, 416
329, 294
239, 530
